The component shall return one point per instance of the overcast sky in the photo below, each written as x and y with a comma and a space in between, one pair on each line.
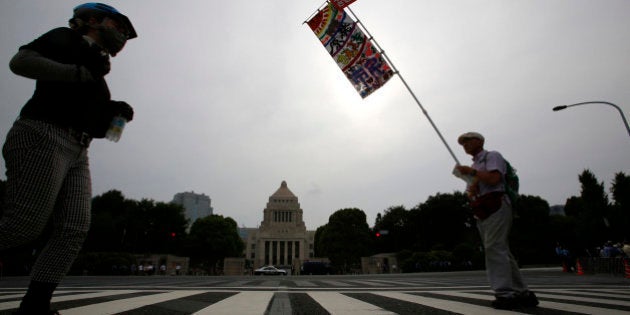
233, 97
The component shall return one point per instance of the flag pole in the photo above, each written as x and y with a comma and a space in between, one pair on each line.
316, 11
424, 111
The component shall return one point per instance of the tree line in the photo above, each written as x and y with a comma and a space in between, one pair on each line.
123, 229
441, 233
437, 231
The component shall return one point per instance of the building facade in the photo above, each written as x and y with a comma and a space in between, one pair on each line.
196, 205
282, 239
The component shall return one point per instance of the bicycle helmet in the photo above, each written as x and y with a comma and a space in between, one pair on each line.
99, 10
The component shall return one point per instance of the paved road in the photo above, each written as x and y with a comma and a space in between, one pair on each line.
423, 293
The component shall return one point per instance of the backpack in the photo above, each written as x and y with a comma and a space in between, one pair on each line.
511, 183
510, 180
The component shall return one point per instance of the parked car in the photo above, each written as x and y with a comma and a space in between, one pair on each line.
270, 270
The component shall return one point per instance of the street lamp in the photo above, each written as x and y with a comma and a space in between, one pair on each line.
623, 117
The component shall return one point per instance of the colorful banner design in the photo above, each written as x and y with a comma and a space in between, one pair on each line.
340, 4
362, 63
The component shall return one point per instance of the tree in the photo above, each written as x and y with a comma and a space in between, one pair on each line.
620, 211
166, 227
3, 189
530, 239
562, 230
398, 234
319, 246
211, 239
123, 225
442, 222
592, 212
109, 215
346, 238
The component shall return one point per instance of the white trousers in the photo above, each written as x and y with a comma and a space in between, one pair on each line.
501, 267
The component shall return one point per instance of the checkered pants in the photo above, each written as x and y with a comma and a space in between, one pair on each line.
48, 178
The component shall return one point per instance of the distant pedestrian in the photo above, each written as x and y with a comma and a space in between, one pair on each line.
48, 176
493, 212
626, 248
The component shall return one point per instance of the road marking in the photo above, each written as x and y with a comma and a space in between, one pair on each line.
581, 309
278, 301
578, 292
583, 299
244, 303
336, 303
63, 298
270, 283
452, 306
390, 282
122, 305
371, 283
16, 304
575, 308
11, 296
336, 284
301, 283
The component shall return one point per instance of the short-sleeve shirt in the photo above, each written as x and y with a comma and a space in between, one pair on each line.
490, 161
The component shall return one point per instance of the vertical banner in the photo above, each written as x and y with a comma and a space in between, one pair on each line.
359, 60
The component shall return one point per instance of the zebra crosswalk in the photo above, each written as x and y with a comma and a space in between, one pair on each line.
464, 300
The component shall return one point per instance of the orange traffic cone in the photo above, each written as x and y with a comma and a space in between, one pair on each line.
564, 267
580, 271
626, 265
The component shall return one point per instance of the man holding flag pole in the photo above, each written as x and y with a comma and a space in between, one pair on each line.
368, 68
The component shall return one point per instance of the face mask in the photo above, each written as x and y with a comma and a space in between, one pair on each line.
113, 41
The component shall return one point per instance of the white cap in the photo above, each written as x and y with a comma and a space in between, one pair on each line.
469, 135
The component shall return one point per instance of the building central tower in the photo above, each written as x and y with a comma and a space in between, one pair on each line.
282, 239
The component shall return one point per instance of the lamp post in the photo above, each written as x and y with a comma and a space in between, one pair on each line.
623, 117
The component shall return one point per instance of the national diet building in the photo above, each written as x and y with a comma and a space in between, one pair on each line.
282, 239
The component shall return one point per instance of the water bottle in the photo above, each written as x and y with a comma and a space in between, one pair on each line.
116, 128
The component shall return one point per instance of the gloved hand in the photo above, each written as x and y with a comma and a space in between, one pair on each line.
97, 62
123, 109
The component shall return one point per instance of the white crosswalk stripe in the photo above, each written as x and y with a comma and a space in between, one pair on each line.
243, 303
372, 283
456, 307
114, 307
464, 300
611, 294
569, 307
60, 298
302, 283
336, 303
